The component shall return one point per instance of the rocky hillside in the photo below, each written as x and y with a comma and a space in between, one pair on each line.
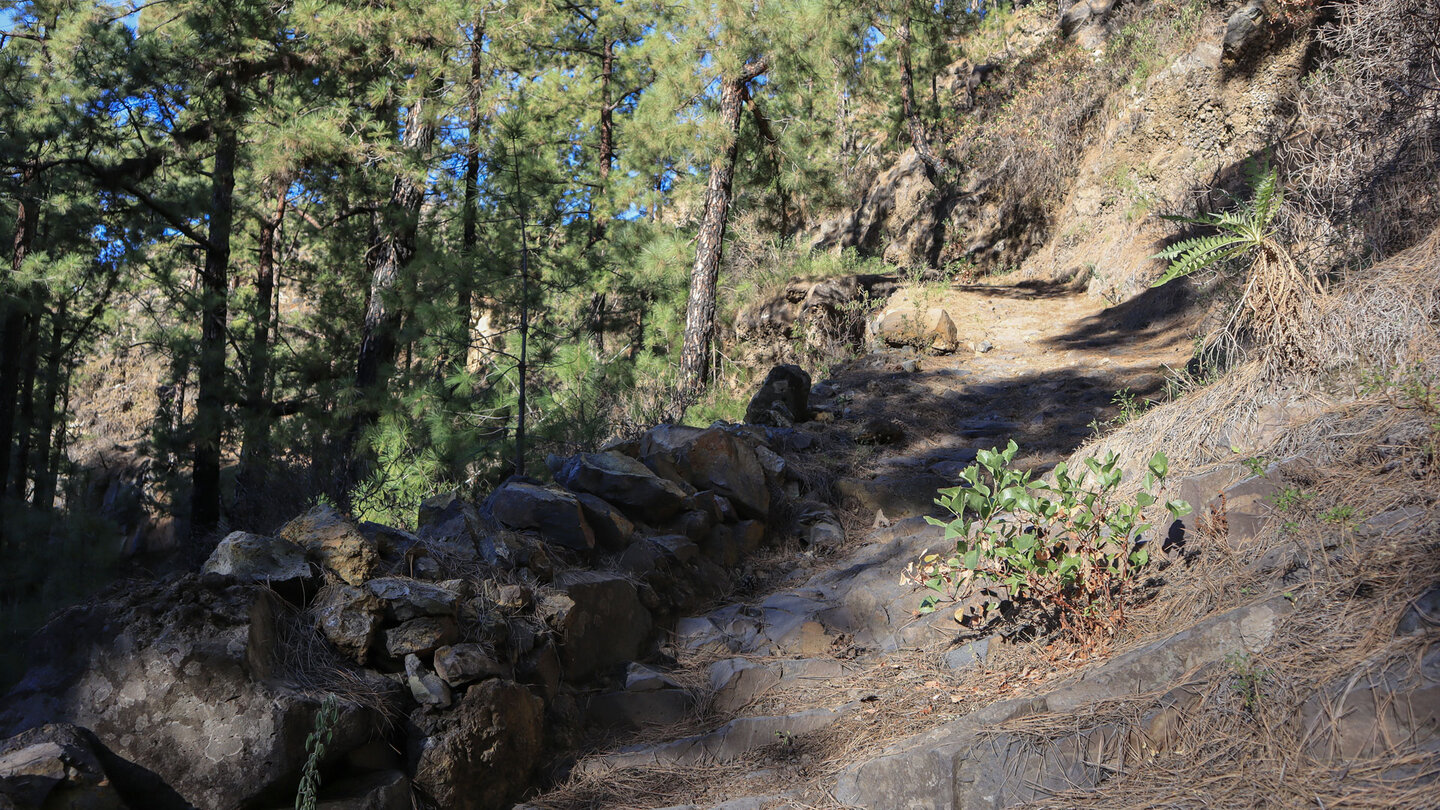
730, 615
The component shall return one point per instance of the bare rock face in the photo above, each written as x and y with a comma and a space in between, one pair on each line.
480, 754
169, 676
554, 513
625, 482
613, 531
334, 542
55, 767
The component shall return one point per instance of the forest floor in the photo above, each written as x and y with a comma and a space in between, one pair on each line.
1043, 365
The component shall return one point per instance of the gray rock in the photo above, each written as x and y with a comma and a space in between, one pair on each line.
172, 677
55, 767
407, 599
421, 636
1422, 616
458, 664
967, 655
640, 678
481, 753
1244, 30
425, 686
783, 398
451, 527
254, 558
624, 482
823, 390
350, 618
554, 513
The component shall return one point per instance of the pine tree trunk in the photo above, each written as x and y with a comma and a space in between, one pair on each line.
599, 211
12, 324
393, 252
46, 471
255, 442
934, 166
210, 377
470, 215
25, 424
709, 244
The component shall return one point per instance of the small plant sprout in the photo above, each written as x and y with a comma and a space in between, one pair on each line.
1073, 546
316, 744
1249, 679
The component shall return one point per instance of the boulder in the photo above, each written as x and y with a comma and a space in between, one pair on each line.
658, 707
906, 324
1244, 29
333, 541
599, 620
460, 664
254, 558
350, 618
613, 531
421, 636
169, 676
480, 754
783, 399
405, 598
714, 459
554, 513
624, 482
55, 767
451, 527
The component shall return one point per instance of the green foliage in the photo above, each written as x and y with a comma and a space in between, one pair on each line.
315, 744
1248, 681
1073, 546
1291, 499
1343, 515
1240, 233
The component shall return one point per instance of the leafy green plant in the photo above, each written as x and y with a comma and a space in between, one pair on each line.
1342, 515
1072, 546
1249, 679
315, 744
1255, 464
1291, 499
1275, 288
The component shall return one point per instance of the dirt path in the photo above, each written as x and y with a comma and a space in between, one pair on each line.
824, 663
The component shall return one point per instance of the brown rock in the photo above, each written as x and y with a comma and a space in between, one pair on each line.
333, 542
421, 636
350, 618
480, 754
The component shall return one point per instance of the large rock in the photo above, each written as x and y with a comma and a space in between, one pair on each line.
554, 513
714, 459
927, 329
898, 495
480, 754
451, 528
599, 619
169, 677
255, 558
783, 399
1244, 29
625, 482
334, 542
460, 664
55, 767
613, 531
421, 636
350, 618
407, 598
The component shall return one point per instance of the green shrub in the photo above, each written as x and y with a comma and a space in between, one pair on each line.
1070, 546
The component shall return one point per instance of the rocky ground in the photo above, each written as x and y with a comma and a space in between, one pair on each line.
718, 617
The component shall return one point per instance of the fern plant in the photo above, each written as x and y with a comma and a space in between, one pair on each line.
1240, 232
1276, 289
315, 744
